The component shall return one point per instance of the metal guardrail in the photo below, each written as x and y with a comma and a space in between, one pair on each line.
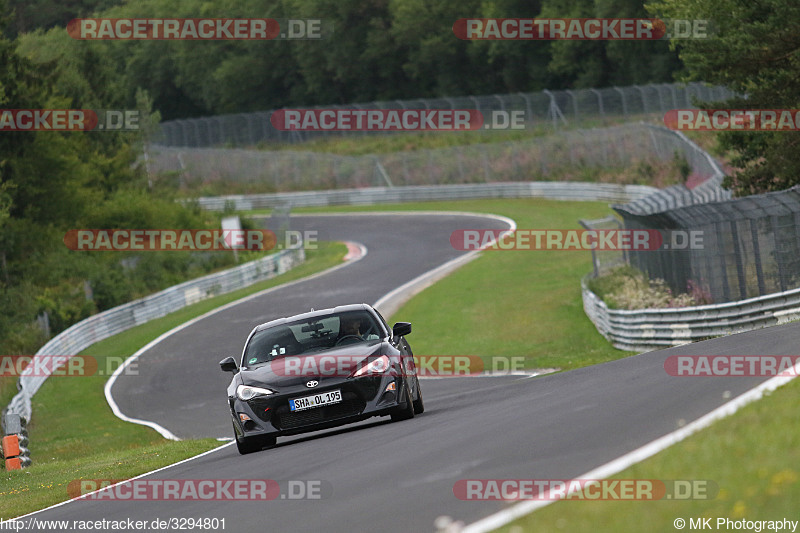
553, 190
649, 329
103, 325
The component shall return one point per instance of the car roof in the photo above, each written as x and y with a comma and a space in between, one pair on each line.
315, 313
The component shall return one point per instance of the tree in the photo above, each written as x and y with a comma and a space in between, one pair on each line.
755, 51
585, 64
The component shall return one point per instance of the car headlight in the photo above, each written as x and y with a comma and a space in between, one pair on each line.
378, 366
246, 392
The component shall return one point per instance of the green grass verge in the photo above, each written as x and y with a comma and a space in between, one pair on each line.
74, 434
509, 303
373, 143
513, 303
647, 171
753, 458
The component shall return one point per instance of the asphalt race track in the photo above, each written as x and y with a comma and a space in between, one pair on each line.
382, 476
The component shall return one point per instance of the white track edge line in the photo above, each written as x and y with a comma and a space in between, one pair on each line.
162, 430
168, 434
159, 428
458, 261
394, 213
84, 496
505, 516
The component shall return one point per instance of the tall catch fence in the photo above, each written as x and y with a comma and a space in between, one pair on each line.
745, 247
564, 155
548, 108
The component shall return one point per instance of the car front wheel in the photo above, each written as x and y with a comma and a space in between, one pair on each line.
419, 406
247, 445
406, 412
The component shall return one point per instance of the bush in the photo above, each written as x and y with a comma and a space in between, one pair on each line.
626, 287
65, 304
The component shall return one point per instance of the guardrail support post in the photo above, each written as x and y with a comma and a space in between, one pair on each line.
15, 442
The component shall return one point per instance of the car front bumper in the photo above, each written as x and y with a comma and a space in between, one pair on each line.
362, 398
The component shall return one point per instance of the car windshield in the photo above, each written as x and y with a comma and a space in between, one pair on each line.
311, 335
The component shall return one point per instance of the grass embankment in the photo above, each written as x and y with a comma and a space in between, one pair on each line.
512, 303
535, 153
392, 142
515, 303
509, 303
74, 434
752, 457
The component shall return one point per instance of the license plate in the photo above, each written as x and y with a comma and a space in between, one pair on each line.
318, 400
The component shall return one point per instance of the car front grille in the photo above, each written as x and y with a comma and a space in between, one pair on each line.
350, 405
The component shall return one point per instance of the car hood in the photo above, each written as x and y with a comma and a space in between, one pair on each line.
333, 364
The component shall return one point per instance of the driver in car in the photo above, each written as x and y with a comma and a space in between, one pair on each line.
351, 326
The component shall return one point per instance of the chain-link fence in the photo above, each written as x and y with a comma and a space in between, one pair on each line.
736, 249
604, 260
564, 155
548, 108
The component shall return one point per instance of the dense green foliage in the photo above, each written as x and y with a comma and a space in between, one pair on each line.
51, 182
379, 50
755, 51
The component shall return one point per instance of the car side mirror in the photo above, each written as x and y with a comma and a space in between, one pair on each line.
401, 329
228, 365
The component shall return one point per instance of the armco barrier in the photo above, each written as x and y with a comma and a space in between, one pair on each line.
103, 325
15, 443
553, 190
649, 329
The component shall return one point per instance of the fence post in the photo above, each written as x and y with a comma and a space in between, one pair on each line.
599, 101
778, 255
502, 102
529, 117
624, 101
644, 99
660, 98
762, 290
554, 111
574, 104
477, 103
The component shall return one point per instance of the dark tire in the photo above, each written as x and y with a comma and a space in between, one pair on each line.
253, 444
248, 445
407, 412
419, 406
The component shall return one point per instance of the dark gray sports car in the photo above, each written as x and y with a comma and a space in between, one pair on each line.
318, 370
